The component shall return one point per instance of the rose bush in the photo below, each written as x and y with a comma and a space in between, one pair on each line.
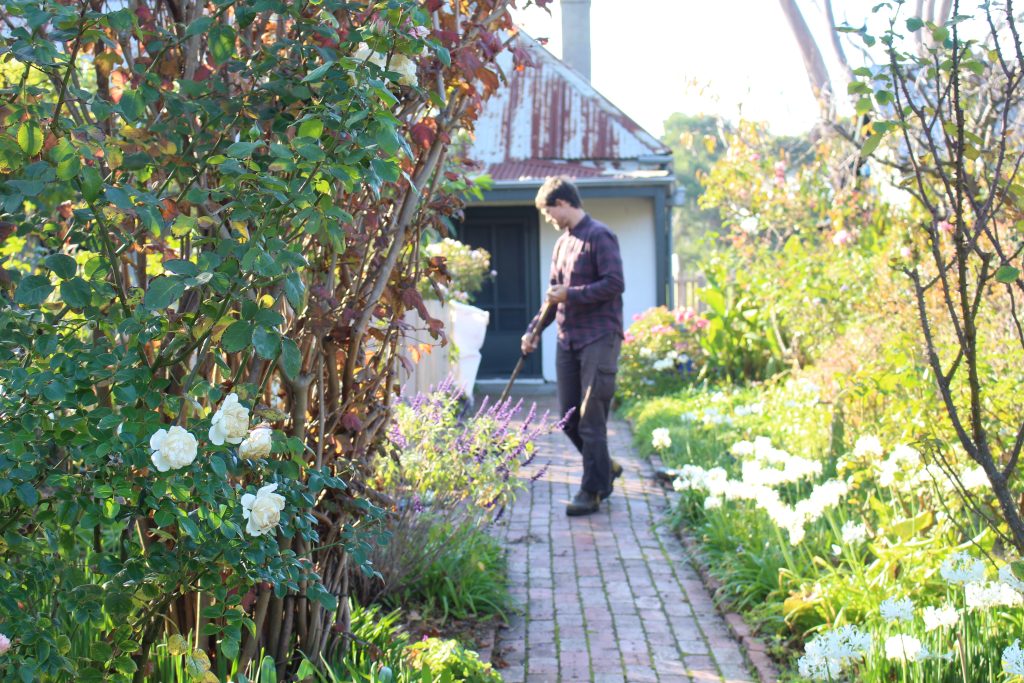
661, 353
210, 216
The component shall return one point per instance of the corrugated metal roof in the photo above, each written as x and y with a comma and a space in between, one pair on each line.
549, 112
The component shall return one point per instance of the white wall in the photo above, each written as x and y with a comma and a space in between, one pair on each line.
632, 221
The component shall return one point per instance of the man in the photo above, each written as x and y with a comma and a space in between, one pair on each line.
585, 295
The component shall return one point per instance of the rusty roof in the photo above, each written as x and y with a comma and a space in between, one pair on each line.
549, 113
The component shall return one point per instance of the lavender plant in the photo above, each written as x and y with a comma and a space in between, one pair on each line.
439, 461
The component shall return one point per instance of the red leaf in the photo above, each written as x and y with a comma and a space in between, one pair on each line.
202, 73
422, 135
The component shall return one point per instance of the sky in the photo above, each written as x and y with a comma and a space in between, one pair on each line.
720, 57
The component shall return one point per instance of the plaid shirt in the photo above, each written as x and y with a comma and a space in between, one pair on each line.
587, 260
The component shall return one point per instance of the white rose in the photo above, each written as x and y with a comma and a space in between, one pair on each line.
257, 444
262, 510
173, 449
405, 67
230, 423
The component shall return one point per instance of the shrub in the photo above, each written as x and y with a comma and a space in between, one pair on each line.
447, 479
447, 661
661, 353
203, 213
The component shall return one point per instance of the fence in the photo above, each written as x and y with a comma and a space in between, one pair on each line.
684, 290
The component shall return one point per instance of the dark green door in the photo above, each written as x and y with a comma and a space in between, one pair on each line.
510, 235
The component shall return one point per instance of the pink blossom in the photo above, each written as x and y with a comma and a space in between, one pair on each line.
629, 338
637, 316
946, 227
755, 156
780, 172
5, 644
906, 253
661, 329
842, 238
684, 315
701, 323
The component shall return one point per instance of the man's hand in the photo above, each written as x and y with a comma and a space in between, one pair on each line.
558, 293
528, 344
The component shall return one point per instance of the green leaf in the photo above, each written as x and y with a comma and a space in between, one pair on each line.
76, 292
218, 466
132, 105
266, 342
33, 290
240, 150
871, 144
221, 43
181, 267
199, 26
92, 183
229, 646
317, 73
237, 337
385, 170
27, 493
294, 290
67, 159
30, 138
291, 359
914, 24
162, 292
312, 128
63, 265
1007, 274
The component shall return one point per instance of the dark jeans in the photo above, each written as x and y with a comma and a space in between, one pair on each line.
586, 383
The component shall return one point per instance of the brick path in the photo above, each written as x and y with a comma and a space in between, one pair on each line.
610, 596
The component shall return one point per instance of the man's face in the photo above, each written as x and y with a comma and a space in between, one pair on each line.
557, 215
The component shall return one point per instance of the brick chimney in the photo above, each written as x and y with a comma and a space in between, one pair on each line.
576, 35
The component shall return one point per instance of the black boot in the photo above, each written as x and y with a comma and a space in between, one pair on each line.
585, 503
616, 473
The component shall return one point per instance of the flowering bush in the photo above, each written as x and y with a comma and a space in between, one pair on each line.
210, 222
467, 269
447, 461
661, 353
448, 477
809, 527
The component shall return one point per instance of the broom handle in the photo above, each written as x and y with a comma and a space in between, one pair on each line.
522, 356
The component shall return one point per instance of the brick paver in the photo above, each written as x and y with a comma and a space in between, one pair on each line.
610, 597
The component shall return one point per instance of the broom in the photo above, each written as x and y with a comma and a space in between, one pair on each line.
522, 356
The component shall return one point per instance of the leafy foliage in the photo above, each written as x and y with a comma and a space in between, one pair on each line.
200, 200
661, 353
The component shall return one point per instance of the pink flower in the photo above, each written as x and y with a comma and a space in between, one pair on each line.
629, 338
685, 315
842, 238
5, 644
755, 156
701, 323
637, 316
946, 227
906, 253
